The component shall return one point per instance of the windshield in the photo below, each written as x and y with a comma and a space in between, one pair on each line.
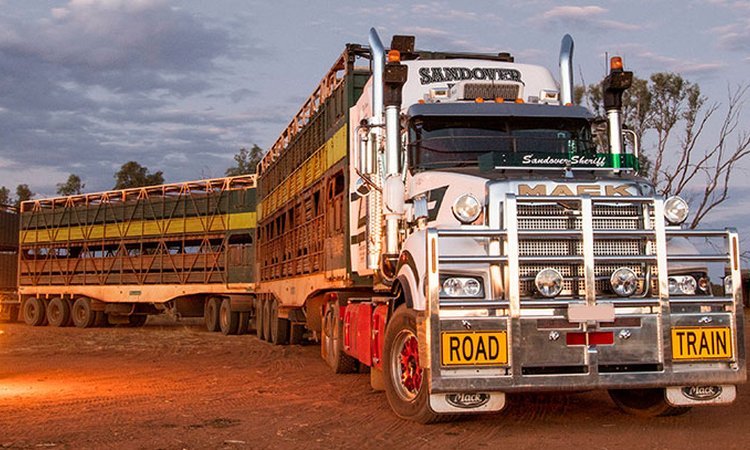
491, 142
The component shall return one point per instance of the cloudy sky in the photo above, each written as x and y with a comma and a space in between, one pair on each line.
180, 86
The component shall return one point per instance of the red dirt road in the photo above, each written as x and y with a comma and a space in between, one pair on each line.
176, 386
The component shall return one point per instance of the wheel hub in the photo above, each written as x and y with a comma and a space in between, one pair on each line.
408, 366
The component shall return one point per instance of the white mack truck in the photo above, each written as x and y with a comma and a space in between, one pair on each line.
492, 247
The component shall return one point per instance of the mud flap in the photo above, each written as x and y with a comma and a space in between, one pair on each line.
701, 395
467, 402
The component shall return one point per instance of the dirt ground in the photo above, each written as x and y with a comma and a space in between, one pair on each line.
174, 385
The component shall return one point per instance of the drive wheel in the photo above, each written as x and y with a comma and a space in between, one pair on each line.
58, 312
332, 342
228, 320
404, 377
83, 315
259, 319
211, 314
645, 402
34, 313
278, 326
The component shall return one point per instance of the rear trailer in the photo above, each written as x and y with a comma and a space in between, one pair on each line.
118, 256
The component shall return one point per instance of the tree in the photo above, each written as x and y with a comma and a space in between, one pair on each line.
132, 175
4, 196
23, 193
669, 116
246, 161
73, 186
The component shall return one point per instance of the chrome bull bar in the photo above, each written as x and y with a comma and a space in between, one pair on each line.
506, 306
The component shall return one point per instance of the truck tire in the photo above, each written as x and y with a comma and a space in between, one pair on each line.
405, 387
645, 402
83, 315
259, 319
34, 312
278, 326
332, 342
137, 320
267, 320
244, 323
211, 314
58, 312
228, 320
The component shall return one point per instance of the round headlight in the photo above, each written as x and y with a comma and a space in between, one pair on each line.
682, 285
462, 287
728, 288
675, 210
466, 208
624, 282
549, 282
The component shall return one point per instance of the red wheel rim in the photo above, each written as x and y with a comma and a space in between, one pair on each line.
407, 370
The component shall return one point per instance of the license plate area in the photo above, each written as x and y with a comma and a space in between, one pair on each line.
701, 343
474, 348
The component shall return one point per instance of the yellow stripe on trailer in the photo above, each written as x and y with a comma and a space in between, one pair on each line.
142, 228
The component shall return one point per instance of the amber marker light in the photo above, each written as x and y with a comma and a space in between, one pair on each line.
499, 100
394, 56
615, 63
519, 100
479, 100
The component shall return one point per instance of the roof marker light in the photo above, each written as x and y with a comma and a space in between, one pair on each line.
615, 63
394, 56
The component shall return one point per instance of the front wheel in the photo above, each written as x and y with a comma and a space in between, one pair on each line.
645, 402
404, 377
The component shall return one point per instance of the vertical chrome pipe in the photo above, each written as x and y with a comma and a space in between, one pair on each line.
566, 70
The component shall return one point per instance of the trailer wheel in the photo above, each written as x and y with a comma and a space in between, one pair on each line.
137, 320
645, 402
404, 377
211, 314
228, 320
278, 326
244, 323
34, 312
267, 320
83, 315
58, 312
259, 319
332, 342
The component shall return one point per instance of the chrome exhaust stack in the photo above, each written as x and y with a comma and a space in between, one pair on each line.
566, 70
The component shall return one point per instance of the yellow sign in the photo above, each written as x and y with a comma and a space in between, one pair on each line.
474, 348
696, 343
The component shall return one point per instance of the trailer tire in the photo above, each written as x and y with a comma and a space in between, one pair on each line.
645, 402
211, 314
83, 315
228, 320
278, 326
244, 323
332, 342
259, 319
403, 376
267, 320
137, 320
58, 312
34, 312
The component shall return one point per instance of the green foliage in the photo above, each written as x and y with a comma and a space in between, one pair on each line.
245, 161
23, 193
4, 196
73, 186
133, 175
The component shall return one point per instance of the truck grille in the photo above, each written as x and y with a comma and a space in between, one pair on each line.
567, 216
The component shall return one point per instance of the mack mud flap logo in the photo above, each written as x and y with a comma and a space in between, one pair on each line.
701, 393
468, 401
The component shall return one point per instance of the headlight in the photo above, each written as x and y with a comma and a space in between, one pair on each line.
624, 282
462, 287
549, 282
675, 210
466, 208
682, 285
